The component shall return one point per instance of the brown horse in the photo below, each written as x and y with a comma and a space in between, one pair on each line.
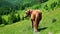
36, 16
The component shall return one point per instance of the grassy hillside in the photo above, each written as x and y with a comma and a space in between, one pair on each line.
24, 27
50, 22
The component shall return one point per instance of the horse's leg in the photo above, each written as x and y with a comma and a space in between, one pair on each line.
39, 19
32, 23
35, 26
36, 22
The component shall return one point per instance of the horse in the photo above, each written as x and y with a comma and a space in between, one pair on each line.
36, 16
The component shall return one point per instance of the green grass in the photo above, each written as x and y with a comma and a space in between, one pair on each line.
24, 27
47, 22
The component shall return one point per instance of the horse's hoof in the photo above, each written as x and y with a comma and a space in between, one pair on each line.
35, 30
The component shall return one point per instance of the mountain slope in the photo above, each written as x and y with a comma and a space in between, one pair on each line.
24, 27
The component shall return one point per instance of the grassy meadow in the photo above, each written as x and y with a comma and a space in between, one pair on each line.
13, 23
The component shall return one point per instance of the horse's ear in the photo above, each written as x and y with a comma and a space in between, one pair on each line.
31, 10
26, 10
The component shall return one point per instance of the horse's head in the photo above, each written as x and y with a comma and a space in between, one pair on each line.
28, 13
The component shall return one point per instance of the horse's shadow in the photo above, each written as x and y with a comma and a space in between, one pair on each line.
42, 29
